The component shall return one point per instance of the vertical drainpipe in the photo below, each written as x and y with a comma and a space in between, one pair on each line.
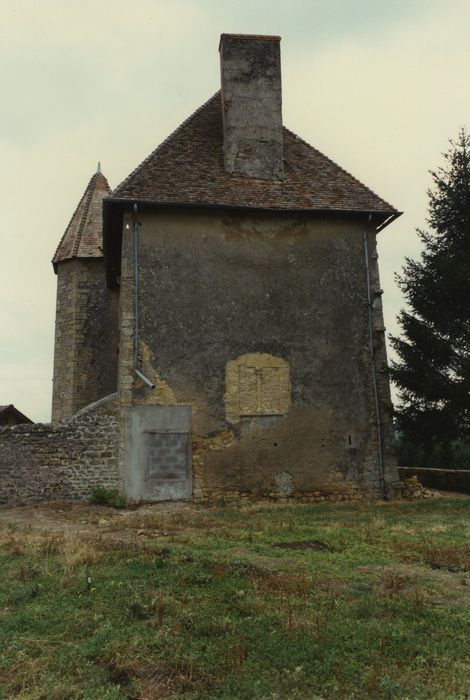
135, 230
383, 490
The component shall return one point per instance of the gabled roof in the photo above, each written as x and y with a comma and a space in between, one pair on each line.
83, 237
188, 168
8, 410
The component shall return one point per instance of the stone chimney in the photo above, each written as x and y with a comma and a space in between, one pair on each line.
251, 105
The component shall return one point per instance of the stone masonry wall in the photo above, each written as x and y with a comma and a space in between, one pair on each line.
381, 370
61, 461
86, 337
457, 480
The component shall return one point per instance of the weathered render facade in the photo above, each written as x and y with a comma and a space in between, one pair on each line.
232, 299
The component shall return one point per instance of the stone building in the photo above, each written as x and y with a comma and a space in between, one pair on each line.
228, 290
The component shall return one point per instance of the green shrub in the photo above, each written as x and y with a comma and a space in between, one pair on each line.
102, 496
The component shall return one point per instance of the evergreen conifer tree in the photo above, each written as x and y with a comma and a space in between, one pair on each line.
432, 371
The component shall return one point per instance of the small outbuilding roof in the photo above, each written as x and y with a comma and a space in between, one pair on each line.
83, 237
10, 414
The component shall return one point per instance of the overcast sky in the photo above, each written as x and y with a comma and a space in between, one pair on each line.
377, 85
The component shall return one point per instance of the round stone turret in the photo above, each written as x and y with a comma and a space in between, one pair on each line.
85, 352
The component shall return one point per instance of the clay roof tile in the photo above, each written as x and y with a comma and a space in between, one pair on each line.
188, 168
83, 237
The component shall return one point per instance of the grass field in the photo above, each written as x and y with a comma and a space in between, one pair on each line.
260, 601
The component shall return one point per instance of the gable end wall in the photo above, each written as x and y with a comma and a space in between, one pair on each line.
216, 287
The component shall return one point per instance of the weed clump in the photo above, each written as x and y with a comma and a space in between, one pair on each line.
101, 496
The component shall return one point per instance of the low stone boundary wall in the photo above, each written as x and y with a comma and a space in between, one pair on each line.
61, 460
457, 480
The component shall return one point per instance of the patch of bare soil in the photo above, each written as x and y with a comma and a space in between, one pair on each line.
83, 518
166, 680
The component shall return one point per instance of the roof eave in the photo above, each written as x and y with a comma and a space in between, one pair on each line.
113, 207
130, 201
55, 263
389, 220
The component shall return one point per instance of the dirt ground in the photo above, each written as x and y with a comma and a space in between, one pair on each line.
81, 517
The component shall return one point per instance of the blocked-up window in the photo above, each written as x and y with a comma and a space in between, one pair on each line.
257, 384
260, 390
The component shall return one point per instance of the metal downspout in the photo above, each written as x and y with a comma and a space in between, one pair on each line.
135, 229
374, 369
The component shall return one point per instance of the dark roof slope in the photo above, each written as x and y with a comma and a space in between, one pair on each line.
188, 168
9, 412
83, 237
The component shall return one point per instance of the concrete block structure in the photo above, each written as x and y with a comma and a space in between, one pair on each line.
228, 290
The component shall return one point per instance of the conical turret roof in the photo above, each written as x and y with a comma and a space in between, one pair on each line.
83, 237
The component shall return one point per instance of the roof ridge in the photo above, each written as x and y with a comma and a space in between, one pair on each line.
68, 226
79, 217
164, 143
86, 207
343, 170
